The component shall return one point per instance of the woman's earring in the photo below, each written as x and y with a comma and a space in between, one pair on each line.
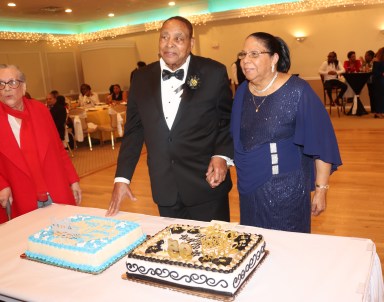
273, 68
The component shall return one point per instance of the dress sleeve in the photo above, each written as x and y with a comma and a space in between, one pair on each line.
314, 130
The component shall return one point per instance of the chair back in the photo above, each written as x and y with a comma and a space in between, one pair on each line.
113, 118
119, 108
322, 78
84, 123
77, 111
82, 114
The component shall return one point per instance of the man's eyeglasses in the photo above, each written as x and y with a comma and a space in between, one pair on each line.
252, 54
12, 84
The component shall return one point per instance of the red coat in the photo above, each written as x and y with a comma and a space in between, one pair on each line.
57, 167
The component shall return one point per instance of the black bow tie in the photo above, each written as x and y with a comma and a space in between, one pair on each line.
178, 74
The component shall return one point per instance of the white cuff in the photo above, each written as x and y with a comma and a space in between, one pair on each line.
122, 179
229, 161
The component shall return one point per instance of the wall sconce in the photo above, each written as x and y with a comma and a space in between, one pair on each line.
300, 39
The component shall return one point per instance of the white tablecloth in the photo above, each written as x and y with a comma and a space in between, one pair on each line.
299, 267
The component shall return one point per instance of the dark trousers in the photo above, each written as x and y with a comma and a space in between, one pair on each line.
217, 209
328, 85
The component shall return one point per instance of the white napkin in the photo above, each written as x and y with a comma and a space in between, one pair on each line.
120, 122
79, 136
92, 125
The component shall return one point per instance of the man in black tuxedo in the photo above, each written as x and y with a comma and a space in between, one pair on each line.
180, 107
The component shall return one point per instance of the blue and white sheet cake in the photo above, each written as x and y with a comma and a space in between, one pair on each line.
84, 243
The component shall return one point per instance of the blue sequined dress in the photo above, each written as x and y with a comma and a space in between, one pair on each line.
275, 149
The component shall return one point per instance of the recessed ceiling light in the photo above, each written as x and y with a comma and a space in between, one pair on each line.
68, 10
172, 3
12, 4
111, 15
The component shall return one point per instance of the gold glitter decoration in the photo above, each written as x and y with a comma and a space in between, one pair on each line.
290, 8
217, 242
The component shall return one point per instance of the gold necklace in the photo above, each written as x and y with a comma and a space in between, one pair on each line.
254, 103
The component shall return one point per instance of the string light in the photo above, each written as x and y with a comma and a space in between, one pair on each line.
63, 41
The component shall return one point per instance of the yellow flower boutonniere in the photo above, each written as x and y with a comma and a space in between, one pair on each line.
193, 82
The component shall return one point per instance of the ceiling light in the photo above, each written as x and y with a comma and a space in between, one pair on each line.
12, 4
172, 3
68, 10
300, 39
111, 15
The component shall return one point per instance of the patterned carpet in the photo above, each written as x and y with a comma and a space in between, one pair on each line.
87, 162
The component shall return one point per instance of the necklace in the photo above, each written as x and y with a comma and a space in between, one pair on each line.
257, 107
266, 87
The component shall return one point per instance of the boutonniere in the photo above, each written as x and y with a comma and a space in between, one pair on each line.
193, 82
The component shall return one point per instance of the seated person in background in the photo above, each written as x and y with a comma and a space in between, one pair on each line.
352, 65
238, 76
59, 115
116, 94
367, 64
367, 61
330, 70
140, 64
55, 93
87, 98
50, 100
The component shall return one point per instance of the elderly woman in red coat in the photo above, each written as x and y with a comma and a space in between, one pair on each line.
35, 169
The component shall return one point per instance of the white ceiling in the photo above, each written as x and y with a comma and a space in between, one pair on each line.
82, 10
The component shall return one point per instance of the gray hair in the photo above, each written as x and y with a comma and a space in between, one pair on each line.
21, 74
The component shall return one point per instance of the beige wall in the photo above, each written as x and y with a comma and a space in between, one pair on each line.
103, 63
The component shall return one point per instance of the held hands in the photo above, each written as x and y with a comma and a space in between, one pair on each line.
319, 203
5, 195
76, 192
120, 190
216, 172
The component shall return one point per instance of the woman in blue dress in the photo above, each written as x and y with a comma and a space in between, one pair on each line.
285, 145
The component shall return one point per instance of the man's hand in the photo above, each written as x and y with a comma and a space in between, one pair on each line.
5, 195
216, 172
120, 190
76, 192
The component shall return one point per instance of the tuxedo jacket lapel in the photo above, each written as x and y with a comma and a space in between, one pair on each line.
188, 93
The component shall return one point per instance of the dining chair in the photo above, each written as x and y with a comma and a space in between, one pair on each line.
68, 132
335, 90
79, 116
111, 127
116, 125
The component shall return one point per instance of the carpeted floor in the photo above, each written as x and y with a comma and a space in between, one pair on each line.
87, 162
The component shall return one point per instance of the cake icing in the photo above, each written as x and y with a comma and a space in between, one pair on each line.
85, 243
203, 259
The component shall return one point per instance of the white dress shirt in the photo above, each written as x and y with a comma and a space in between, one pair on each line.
171, 92
325, 68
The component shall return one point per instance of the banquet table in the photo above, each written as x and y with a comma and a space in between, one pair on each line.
99, 115
357, 82
299, 267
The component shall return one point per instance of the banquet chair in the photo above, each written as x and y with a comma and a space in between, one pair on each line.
68, 132
335, 90
81, 114
116, 124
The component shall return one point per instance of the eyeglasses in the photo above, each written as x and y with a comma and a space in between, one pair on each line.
11, 83
252, 54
